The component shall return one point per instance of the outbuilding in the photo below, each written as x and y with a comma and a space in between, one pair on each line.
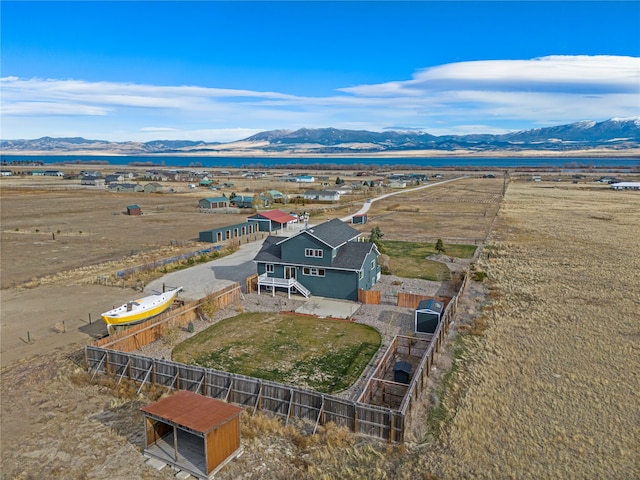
272, 220
134, 210
626, 186
214, 202
402, 372
359, 219
428, 315
195, 434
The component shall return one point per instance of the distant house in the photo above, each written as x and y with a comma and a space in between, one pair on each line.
53, 173
92, 181
397, 183
271, 196
326, 260
126, 187
153, 187
5, 173
273, 220
322, 195
205, 182
626, 186
242, 201
214, 202
38, 173
127, 175
305, 179
114, 178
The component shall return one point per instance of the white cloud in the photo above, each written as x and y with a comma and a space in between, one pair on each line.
469, 97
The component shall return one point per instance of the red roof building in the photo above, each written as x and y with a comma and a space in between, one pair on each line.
272, 220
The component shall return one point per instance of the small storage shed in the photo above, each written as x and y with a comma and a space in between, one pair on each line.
359, 219
193, 433
134, 210
402, 372
428, 315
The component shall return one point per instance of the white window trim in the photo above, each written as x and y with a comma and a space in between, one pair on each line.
361, 274
313, 252
313, 271
269, 268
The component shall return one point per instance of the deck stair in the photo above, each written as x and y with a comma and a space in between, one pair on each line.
288, 283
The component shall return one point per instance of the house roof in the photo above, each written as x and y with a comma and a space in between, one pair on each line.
242, 198
216, 199
277, 216
430, 306
322, 192
351, 255
196, 412
333, 232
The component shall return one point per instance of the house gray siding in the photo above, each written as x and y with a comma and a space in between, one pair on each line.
340, 284
293, 250
370, 275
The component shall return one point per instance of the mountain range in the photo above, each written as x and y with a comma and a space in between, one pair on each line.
614, 135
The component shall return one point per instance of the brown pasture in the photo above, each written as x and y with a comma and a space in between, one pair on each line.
457, 212
548, 391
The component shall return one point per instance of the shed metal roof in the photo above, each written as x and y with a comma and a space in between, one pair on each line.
195, 412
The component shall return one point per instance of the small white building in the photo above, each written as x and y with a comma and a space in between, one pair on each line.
322, 195
626, 186
305, 179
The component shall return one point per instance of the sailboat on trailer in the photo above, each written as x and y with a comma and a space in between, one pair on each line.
136, 311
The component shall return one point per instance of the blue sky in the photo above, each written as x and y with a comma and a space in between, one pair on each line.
221, 71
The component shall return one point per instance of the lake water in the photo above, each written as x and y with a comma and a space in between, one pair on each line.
355, 162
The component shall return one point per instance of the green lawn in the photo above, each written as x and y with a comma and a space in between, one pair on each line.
323, 355
408, 259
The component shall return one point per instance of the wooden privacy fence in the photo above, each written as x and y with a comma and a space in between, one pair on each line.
411, 300
251, 283
419, 379
371, 297
285, 401
149, 331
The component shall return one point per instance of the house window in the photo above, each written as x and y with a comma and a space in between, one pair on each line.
315, 272
269, 267
373, 264
313, 252
361, 276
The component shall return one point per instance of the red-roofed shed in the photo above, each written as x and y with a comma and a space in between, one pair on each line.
194, 433
271, 220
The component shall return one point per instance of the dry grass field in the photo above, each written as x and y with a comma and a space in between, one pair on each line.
457, 212
548, 390
553, 392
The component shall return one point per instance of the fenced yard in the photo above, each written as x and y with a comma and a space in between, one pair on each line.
308, 407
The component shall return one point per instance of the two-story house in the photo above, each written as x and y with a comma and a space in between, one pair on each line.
326, 260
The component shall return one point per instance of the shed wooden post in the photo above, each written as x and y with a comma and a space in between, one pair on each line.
175, 442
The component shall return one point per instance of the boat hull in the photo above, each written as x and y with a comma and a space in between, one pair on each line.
140, 310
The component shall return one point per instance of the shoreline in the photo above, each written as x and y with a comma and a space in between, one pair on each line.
252, 154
